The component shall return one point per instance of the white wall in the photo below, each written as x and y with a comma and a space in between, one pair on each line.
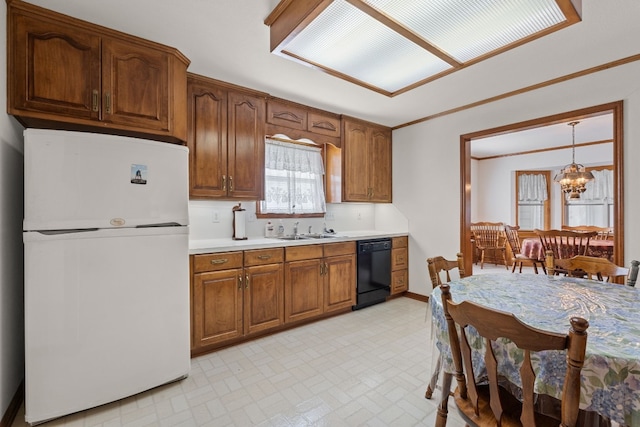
493, 183
426, 160
341, 217
11, 263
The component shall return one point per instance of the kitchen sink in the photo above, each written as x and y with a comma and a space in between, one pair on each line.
296, 237
319, 236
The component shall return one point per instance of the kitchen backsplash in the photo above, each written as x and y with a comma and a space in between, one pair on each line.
213, 220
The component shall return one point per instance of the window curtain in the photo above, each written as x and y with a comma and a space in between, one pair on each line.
532, 188
293, 179
601, 188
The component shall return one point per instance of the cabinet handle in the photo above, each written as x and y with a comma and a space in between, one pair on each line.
94, 100
264, 256
246, 281
230, 183
219, 261
108, 102
224, 182
239, 281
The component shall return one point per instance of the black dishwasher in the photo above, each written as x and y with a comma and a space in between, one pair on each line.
374, 272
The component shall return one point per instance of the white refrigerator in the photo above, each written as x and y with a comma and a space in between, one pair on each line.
106, 269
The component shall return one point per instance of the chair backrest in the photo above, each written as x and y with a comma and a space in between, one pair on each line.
511, 232
438, 264
593, 267
487, 234
604, 233
565, 243
493, 324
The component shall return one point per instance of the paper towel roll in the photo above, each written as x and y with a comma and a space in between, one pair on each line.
239, 232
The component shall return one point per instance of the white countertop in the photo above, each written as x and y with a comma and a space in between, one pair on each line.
228, 244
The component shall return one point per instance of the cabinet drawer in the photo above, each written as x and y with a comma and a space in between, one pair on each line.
323, 124
295, 253
399, 258
400, 242
263, 256
291, 116
399, 281
342, 248
217, 261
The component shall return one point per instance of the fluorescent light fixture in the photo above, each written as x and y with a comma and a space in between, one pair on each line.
391, 46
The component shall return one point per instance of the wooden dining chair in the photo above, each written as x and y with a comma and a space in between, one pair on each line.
565, 244
489, 236
518, 258
593, 268
491, 404
604, 233
439, 266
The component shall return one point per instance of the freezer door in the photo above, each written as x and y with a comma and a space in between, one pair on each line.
106, 316
76, 180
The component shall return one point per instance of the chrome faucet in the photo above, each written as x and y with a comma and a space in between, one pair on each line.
295, 228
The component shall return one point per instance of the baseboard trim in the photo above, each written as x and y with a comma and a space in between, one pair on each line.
419, 297
12, 410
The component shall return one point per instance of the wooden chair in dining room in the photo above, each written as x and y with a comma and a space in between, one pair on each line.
593, 268
518, 258
565, 244
489, 236
440, 268
491, 404
604, 233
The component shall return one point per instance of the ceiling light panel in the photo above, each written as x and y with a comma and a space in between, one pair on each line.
344, 39
468, 29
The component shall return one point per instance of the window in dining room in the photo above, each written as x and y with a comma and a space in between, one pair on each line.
595, 205
532, 200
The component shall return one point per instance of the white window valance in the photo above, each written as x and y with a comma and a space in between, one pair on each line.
532, 188
601, 188
293, 157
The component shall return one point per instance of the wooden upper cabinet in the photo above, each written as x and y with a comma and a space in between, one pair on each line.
226, 140
135, 85
71, 74
299, 121
246, 146
367, 162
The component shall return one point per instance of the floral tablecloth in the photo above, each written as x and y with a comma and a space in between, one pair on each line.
611, 373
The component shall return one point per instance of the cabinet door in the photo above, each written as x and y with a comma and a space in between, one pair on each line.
217, 307
380, 158
135, 85
356, 168
263, 297
399, 281
56, 69
207, 140
340, 282
246, 146
303, 290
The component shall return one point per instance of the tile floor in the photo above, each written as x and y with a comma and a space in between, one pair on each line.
365, 368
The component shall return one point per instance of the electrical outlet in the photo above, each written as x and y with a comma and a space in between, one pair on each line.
359, 216
329, 216
215, 216
252, 217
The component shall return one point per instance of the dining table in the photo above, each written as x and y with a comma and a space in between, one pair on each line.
610, 383
531, 247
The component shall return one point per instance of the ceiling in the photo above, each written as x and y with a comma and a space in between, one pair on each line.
228, 40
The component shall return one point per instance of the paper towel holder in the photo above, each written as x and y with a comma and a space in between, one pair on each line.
239, 230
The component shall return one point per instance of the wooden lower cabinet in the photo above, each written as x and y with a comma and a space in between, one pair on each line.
399, 265
319, 279
303, 289
232, 298
235, 295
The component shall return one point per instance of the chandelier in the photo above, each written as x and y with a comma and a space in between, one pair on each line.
573, 178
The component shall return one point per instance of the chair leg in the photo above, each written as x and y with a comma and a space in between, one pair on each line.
535, 267
434, 379
515, 263
482, 260
443, 409
504, 258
